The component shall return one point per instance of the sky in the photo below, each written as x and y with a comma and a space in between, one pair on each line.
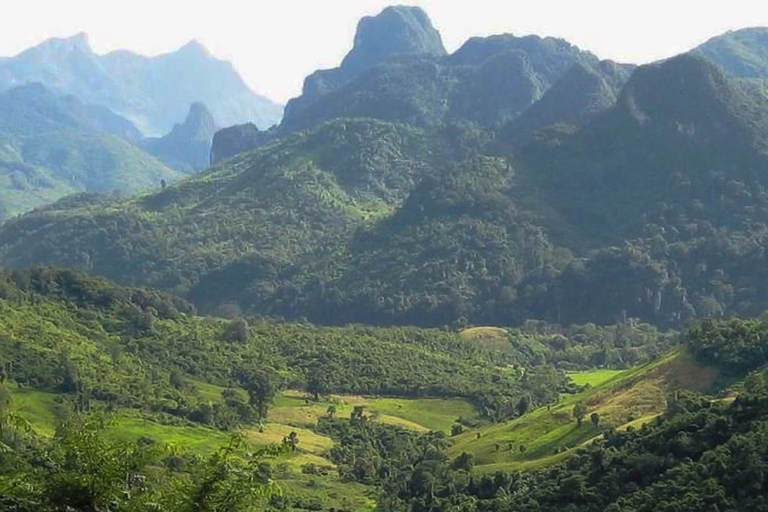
275, 44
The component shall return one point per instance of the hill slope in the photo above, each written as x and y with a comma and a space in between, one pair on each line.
551, 434
52, 146
742, 53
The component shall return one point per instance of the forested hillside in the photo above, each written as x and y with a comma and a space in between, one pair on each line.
516, 178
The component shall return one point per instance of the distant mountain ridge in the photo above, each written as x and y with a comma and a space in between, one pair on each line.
487, 81
51, 146
399, 71
396, 31
152, 92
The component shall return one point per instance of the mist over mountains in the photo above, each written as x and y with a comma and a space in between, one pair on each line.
75, 121
154, 93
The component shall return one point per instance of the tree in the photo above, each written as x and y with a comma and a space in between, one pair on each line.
261, 390
291, 440
316, 383
595, 419
357, 413
579, 412
523, 405
239, 331
70, 376
465, 461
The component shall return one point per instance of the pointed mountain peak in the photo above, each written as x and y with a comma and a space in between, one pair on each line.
396, 30
195, 47
676, 88
77, 42
199, 124
199, 114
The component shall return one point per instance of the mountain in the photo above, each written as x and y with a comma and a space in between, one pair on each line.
152, 92
488, 81
667, 189
299, 196
188, 146
517, 178
742, 53
681, 120
398, 71
237, 139
51, 146
396, 31
582, 93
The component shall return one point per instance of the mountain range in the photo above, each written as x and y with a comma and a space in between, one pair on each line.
52, 146
517, 178
154, 93
74, 121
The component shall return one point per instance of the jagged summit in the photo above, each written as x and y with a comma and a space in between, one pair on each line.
195, 47
396, 30
188, 145
78, 42
199, 123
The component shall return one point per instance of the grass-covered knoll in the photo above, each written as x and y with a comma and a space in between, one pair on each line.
541, 437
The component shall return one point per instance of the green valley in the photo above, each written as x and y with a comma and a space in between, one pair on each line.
497, 276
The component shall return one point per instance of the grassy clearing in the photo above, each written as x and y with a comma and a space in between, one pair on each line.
198, 439
311, 492
273, 433
493, 338
593, 377
422, 414
38, 408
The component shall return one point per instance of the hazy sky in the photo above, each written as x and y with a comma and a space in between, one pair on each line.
276, 43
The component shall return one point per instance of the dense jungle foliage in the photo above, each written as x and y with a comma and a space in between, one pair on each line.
101, 345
